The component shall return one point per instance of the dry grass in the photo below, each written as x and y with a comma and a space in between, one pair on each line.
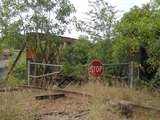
17, 106
101, 111
142, 96
22, 106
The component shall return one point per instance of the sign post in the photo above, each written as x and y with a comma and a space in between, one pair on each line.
29, 57
96, 68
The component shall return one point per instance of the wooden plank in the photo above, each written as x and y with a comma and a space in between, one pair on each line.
53, 97
10, 89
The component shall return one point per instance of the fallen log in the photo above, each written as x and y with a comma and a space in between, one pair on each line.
134, 106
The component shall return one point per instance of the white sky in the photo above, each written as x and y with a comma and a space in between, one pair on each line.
121, 5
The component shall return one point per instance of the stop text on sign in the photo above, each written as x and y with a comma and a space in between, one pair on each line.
96, 68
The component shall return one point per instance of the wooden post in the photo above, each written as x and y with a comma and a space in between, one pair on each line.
138, 70
131, 74
28, 73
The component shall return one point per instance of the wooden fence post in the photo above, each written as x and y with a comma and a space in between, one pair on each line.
131, 74
28, 73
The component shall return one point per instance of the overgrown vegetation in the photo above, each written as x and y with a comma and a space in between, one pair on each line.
101, 109
17, 106
19, 74
41, 23
135, 37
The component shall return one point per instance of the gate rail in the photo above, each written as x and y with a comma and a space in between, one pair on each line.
43, 75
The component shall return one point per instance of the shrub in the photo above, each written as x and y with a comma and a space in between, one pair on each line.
18, 75
76, 57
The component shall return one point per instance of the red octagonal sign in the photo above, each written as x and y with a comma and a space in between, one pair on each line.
96, 68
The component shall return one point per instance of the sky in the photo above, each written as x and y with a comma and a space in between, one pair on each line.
121, 5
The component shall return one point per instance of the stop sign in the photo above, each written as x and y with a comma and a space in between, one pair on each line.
96, 68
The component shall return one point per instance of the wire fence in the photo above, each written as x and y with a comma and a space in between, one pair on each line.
44, 74
41, 74
125, 73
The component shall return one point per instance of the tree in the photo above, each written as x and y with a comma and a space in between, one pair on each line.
137, 30
47, 16
99, 26
100, 22
76, 56
50, 17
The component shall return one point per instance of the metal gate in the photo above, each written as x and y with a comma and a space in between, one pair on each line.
122, 73
41, 74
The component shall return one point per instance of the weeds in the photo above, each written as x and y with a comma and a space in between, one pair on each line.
100, 110
16, 106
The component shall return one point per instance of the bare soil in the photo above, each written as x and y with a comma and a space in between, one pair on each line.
76, 107
64, 108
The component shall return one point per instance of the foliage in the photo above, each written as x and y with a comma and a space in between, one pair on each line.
79, 55
100, 21
111, 41
20, 73
101, 50
138, 28
46, 47
20, 17
99, 26
17, 18
40, 19
157, 2
10, 23
154, 83
76, 56
157, 76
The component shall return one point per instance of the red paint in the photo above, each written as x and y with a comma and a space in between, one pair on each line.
29, 54
96, 68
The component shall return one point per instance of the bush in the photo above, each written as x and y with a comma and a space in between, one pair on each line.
75, 57
157, 76
155, 83
18, 75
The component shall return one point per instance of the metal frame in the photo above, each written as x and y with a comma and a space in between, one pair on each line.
116, 64
130, 68
130, 71
44, 75
44, 64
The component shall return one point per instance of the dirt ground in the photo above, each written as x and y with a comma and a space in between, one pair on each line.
62, 109
68, 107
